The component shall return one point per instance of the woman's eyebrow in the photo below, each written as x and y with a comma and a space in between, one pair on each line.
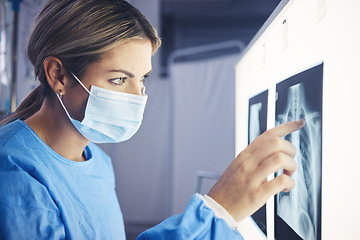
129, 74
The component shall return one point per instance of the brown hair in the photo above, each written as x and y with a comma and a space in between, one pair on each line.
79, 32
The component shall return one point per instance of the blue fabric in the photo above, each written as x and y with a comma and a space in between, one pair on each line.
197, 222
45, 196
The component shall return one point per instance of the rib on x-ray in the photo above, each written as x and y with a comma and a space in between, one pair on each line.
301, 207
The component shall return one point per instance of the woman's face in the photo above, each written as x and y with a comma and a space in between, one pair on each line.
122, 69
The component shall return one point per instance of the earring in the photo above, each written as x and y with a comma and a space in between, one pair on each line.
60, 94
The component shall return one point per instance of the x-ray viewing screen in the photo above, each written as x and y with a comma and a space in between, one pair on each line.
298, 212
257, 124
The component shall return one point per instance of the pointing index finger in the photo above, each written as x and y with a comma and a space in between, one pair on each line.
287, 128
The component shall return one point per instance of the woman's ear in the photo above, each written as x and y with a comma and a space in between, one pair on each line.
55, 74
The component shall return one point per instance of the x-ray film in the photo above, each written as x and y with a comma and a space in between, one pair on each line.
298, 212
257, 115
257, 124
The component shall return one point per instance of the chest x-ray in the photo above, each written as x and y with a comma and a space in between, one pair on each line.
257, 124
299, 211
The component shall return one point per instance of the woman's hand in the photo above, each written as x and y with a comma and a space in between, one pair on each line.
243, 187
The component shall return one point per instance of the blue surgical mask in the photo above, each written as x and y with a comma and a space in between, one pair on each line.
110, 116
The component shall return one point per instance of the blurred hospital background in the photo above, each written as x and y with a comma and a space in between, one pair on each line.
188, 133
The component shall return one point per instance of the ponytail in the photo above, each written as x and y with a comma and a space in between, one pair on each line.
30, 105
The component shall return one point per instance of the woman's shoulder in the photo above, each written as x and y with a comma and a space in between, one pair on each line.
11, 131
17, 144
16, 135
15, 139
16, 160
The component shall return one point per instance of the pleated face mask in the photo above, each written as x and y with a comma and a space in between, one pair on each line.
110, 116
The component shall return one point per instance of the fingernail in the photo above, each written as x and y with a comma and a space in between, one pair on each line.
300, 122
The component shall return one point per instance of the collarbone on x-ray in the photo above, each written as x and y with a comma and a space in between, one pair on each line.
299, 208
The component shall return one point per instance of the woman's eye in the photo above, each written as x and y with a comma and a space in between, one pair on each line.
119, 81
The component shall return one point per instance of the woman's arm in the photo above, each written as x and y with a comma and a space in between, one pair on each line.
241, 190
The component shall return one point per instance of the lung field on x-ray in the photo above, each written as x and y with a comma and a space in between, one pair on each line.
300, 97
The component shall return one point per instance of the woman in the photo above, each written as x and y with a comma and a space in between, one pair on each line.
91, 58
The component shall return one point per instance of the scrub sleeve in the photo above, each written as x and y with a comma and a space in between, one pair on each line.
198, 221
45, 196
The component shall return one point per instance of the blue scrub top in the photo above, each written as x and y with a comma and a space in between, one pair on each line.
46, 196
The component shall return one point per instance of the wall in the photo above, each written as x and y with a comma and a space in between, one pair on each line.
203, 123
315, 31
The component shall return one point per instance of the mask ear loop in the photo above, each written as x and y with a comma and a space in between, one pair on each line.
59, 96
143, 91
81, 83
